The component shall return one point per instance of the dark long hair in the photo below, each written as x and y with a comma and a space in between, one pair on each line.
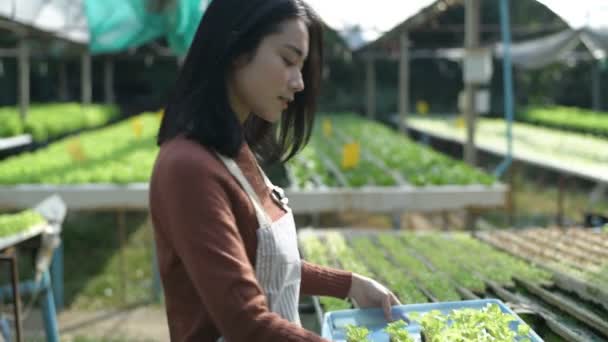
199, 107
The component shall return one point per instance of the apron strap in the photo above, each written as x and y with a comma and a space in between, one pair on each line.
266, 179
278, 194
260, 213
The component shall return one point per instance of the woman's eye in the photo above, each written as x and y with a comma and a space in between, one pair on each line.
288, 62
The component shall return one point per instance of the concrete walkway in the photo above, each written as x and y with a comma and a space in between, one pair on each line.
139, 324
142, 323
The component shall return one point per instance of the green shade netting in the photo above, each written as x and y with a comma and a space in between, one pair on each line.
117, 25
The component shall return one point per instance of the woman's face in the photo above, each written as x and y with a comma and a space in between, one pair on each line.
265, 84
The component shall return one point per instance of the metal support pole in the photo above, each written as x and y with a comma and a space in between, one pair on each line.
24, 78
315, 220
560, 201
63, 81
470, 219
47, 302
370, 83
109, 81
49, 313
57, 276
10, 255
505, 23
122, 237
445, 220
596, 81
404, 81
396, 218
472, 17
86, 85
511, 204
157, 287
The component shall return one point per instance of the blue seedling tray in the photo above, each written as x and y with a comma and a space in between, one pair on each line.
334, 323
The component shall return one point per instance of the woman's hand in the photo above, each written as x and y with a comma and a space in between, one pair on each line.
366, 292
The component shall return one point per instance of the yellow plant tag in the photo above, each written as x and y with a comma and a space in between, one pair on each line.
76, 150
460, 122
422, 107
351, 154
137, 126
327, 128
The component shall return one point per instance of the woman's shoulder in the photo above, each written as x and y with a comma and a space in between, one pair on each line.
184, 156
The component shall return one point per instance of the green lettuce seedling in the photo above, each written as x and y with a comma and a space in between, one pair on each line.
397, 333
356, 334
485, 325
11, 224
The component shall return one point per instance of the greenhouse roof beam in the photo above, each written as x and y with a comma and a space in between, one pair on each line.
413, 22
15, 28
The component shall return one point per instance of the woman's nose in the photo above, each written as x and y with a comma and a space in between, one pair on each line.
296, 83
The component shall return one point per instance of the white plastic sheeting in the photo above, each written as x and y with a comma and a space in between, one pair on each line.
580, 13
360, 21
537, 53
64, 18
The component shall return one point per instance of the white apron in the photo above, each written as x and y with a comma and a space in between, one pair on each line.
278, 265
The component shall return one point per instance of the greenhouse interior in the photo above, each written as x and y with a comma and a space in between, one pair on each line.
458, 158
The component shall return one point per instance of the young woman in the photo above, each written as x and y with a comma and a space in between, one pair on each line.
226, 239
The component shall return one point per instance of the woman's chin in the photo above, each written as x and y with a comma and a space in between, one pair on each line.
271, 117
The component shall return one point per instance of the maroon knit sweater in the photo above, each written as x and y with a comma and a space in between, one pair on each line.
205, 230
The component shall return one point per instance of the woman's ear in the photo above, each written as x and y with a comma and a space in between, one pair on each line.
240, 61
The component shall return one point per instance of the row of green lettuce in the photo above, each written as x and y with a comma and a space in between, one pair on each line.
567, 118
419, 268
382, 149
121, 153
576, 256
48, 121
585, 153
125, 152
